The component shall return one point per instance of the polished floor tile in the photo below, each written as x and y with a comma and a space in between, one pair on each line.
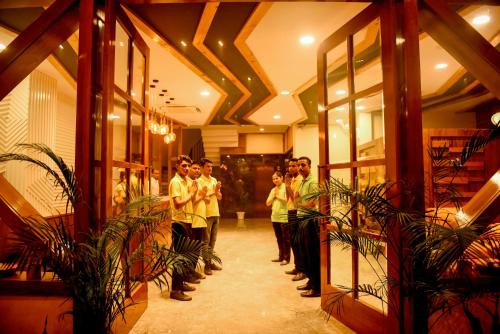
250, 295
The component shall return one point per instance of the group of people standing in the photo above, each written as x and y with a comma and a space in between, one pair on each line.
194, 196
290, 200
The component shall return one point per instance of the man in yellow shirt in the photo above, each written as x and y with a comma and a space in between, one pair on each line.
214, 195
292, 181
181, 191
199, 223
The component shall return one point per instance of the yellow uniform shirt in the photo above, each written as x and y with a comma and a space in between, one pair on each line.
179, 187
295, 187
213, 205
199, 209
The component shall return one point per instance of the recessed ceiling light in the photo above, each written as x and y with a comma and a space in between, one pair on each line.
2, 46
183, 43
113, 116
223, 79
285, 92
61, 46
204, 93
133, 93
481, 19
221, 43
277, 117
228, 156
360, 108
340, 92
249, 79
121, 44
261, 129
306, 40
338, 120
441, 66
340, 108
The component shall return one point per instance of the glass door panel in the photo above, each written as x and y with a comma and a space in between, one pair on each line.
336, 73
338, 133
370, 143
367, 57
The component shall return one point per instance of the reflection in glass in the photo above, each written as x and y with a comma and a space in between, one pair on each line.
484, 19
338, 134
120, 190
136, 183
138, 76
336, 61
370, 140
121, 58
98, 126
341, 258
137, 123
119, 118
372, 268
367, 57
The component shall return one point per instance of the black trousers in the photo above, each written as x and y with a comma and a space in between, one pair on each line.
310, 252
295, 241
180, 230
283, 238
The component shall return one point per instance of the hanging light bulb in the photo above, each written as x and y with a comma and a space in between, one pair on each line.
163, 127
166, 139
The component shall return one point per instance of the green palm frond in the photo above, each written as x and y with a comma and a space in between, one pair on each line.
476, 143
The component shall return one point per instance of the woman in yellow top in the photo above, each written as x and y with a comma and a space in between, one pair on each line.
278, 202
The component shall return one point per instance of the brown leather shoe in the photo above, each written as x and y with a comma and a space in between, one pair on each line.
213, 266
299, 277
310, 293
187, 287
306, 286
276, 260
284, 263
193, 280
179, 295
292, 272
207, 270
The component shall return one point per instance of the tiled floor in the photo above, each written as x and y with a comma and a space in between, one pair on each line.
250, 295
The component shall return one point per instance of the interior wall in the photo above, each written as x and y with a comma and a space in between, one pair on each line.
306, 143
264, 143
439, 119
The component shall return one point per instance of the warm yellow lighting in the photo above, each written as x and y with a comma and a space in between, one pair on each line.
121, 44
340, 92
183, 43
249, 79
306, 40
340, 109
360, 108
166, 139
441, 66
276, 117
61, 46
156, 39
481, 19
204, 93
2, 47
285, 92
321, 107
495, 118
220, 43
113, 116
261, 129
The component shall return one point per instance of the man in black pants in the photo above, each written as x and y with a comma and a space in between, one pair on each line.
310, 247
292, 181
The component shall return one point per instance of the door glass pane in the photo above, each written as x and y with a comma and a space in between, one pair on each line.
119, 118
484, 19
121, 58
138, 76
367, 57
120, 192
136, 183
137, 123
338, 134
372, 264
370, 140
336, 61
340, 253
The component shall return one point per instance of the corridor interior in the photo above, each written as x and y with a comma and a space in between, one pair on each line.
250, 295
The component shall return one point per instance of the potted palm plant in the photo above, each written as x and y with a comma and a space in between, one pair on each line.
446, 248
96, 272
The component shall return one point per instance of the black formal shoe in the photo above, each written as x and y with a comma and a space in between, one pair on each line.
284, 263
276, 260
299, 277
199, 275
306, 286
292, 272
193, 280
207, 270
213, 266
187, 287
310, 293
179, 295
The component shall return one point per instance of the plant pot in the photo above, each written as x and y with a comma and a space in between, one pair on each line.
240, 215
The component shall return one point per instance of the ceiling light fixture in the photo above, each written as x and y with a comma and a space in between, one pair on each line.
183, 43
441, 66
204, 93
261, 129
306, 40
2, 47
249, 79
340, 92
221, 43
121, 44
285, 92
360, 108
61, 46
340, 108
481, 19
277, 117
495, 118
